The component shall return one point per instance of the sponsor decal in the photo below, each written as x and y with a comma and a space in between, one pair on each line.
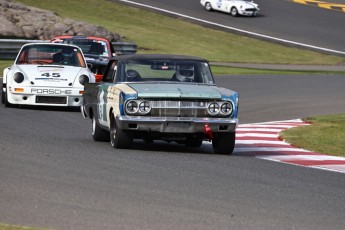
51, 91
51, 77
219, 3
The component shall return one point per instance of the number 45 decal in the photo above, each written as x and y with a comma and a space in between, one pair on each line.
51, 75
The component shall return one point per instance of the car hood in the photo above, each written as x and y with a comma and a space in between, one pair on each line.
171, 90
54, 76
247, 4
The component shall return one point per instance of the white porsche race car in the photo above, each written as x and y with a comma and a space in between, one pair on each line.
46, 74
233, 7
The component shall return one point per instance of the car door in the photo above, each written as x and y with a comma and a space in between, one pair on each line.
107, 82
225, 5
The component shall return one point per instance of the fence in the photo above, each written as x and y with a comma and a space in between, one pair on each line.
9, 48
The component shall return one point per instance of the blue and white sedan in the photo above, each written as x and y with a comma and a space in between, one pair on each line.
233, 7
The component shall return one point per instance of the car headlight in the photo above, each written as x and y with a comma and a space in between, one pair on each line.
18, 77
137, 107
223, 108
131, 107
144, 107
213, 108
226, 108
83, 79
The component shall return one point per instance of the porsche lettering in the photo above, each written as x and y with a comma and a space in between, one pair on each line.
51, 91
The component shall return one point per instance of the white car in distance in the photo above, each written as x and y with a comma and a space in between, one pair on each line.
46, 74
233, 7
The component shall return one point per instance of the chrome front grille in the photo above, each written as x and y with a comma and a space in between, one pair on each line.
179, 108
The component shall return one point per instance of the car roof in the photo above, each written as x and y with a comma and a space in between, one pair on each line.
78, 37
51, 44
158, 57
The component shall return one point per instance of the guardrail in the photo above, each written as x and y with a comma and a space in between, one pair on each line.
9, 48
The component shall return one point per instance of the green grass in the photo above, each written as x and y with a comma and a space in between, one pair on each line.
222, 70
14, 227
4, 64
155, 33
325, 135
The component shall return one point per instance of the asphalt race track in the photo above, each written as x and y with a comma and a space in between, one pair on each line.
54, 175
282, 19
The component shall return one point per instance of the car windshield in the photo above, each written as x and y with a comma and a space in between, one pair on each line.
165, 70
49, 54
90, 47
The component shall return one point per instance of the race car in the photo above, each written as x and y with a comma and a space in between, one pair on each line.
96, 50
166, 97
233, 7
46, 74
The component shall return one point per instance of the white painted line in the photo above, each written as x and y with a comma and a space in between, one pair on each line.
269, 126
258, 130
235, 29
316, 157
268, 149
256, 135
251, 142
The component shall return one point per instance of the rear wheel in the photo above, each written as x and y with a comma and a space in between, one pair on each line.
99, 134
224, 143
208, 6
119, 139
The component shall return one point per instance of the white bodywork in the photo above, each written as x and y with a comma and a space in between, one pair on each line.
45, 83
233, 7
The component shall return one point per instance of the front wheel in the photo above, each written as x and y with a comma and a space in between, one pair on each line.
224, 143
234, 11
5, 100
119, 139
3, 95
99, 134
208, 6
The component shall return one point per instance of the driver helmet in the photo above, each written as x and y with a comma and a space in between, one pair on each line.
184, 71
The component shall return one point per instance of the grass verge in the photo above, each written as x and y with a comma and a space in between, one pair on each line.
14, 227
325, 135
155, 33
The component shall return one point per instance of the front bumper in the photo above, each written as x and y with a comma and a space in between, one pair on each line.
176, 124
248, 12
45, 96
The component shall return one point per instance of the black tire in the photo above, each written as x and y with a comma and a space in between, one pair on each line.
224, 143
208, 6
119, 139
7, 104
234, 11
193, 142
99, 134
3, 95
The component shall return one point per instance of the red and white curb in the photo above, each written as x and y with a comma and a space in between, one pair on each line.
261, 140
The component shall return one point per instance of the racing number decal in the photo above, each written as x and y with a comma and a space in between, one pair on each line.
102, 108
51, 75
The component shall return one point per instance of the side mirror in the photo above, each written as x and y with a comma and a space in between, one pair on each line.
89, 65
